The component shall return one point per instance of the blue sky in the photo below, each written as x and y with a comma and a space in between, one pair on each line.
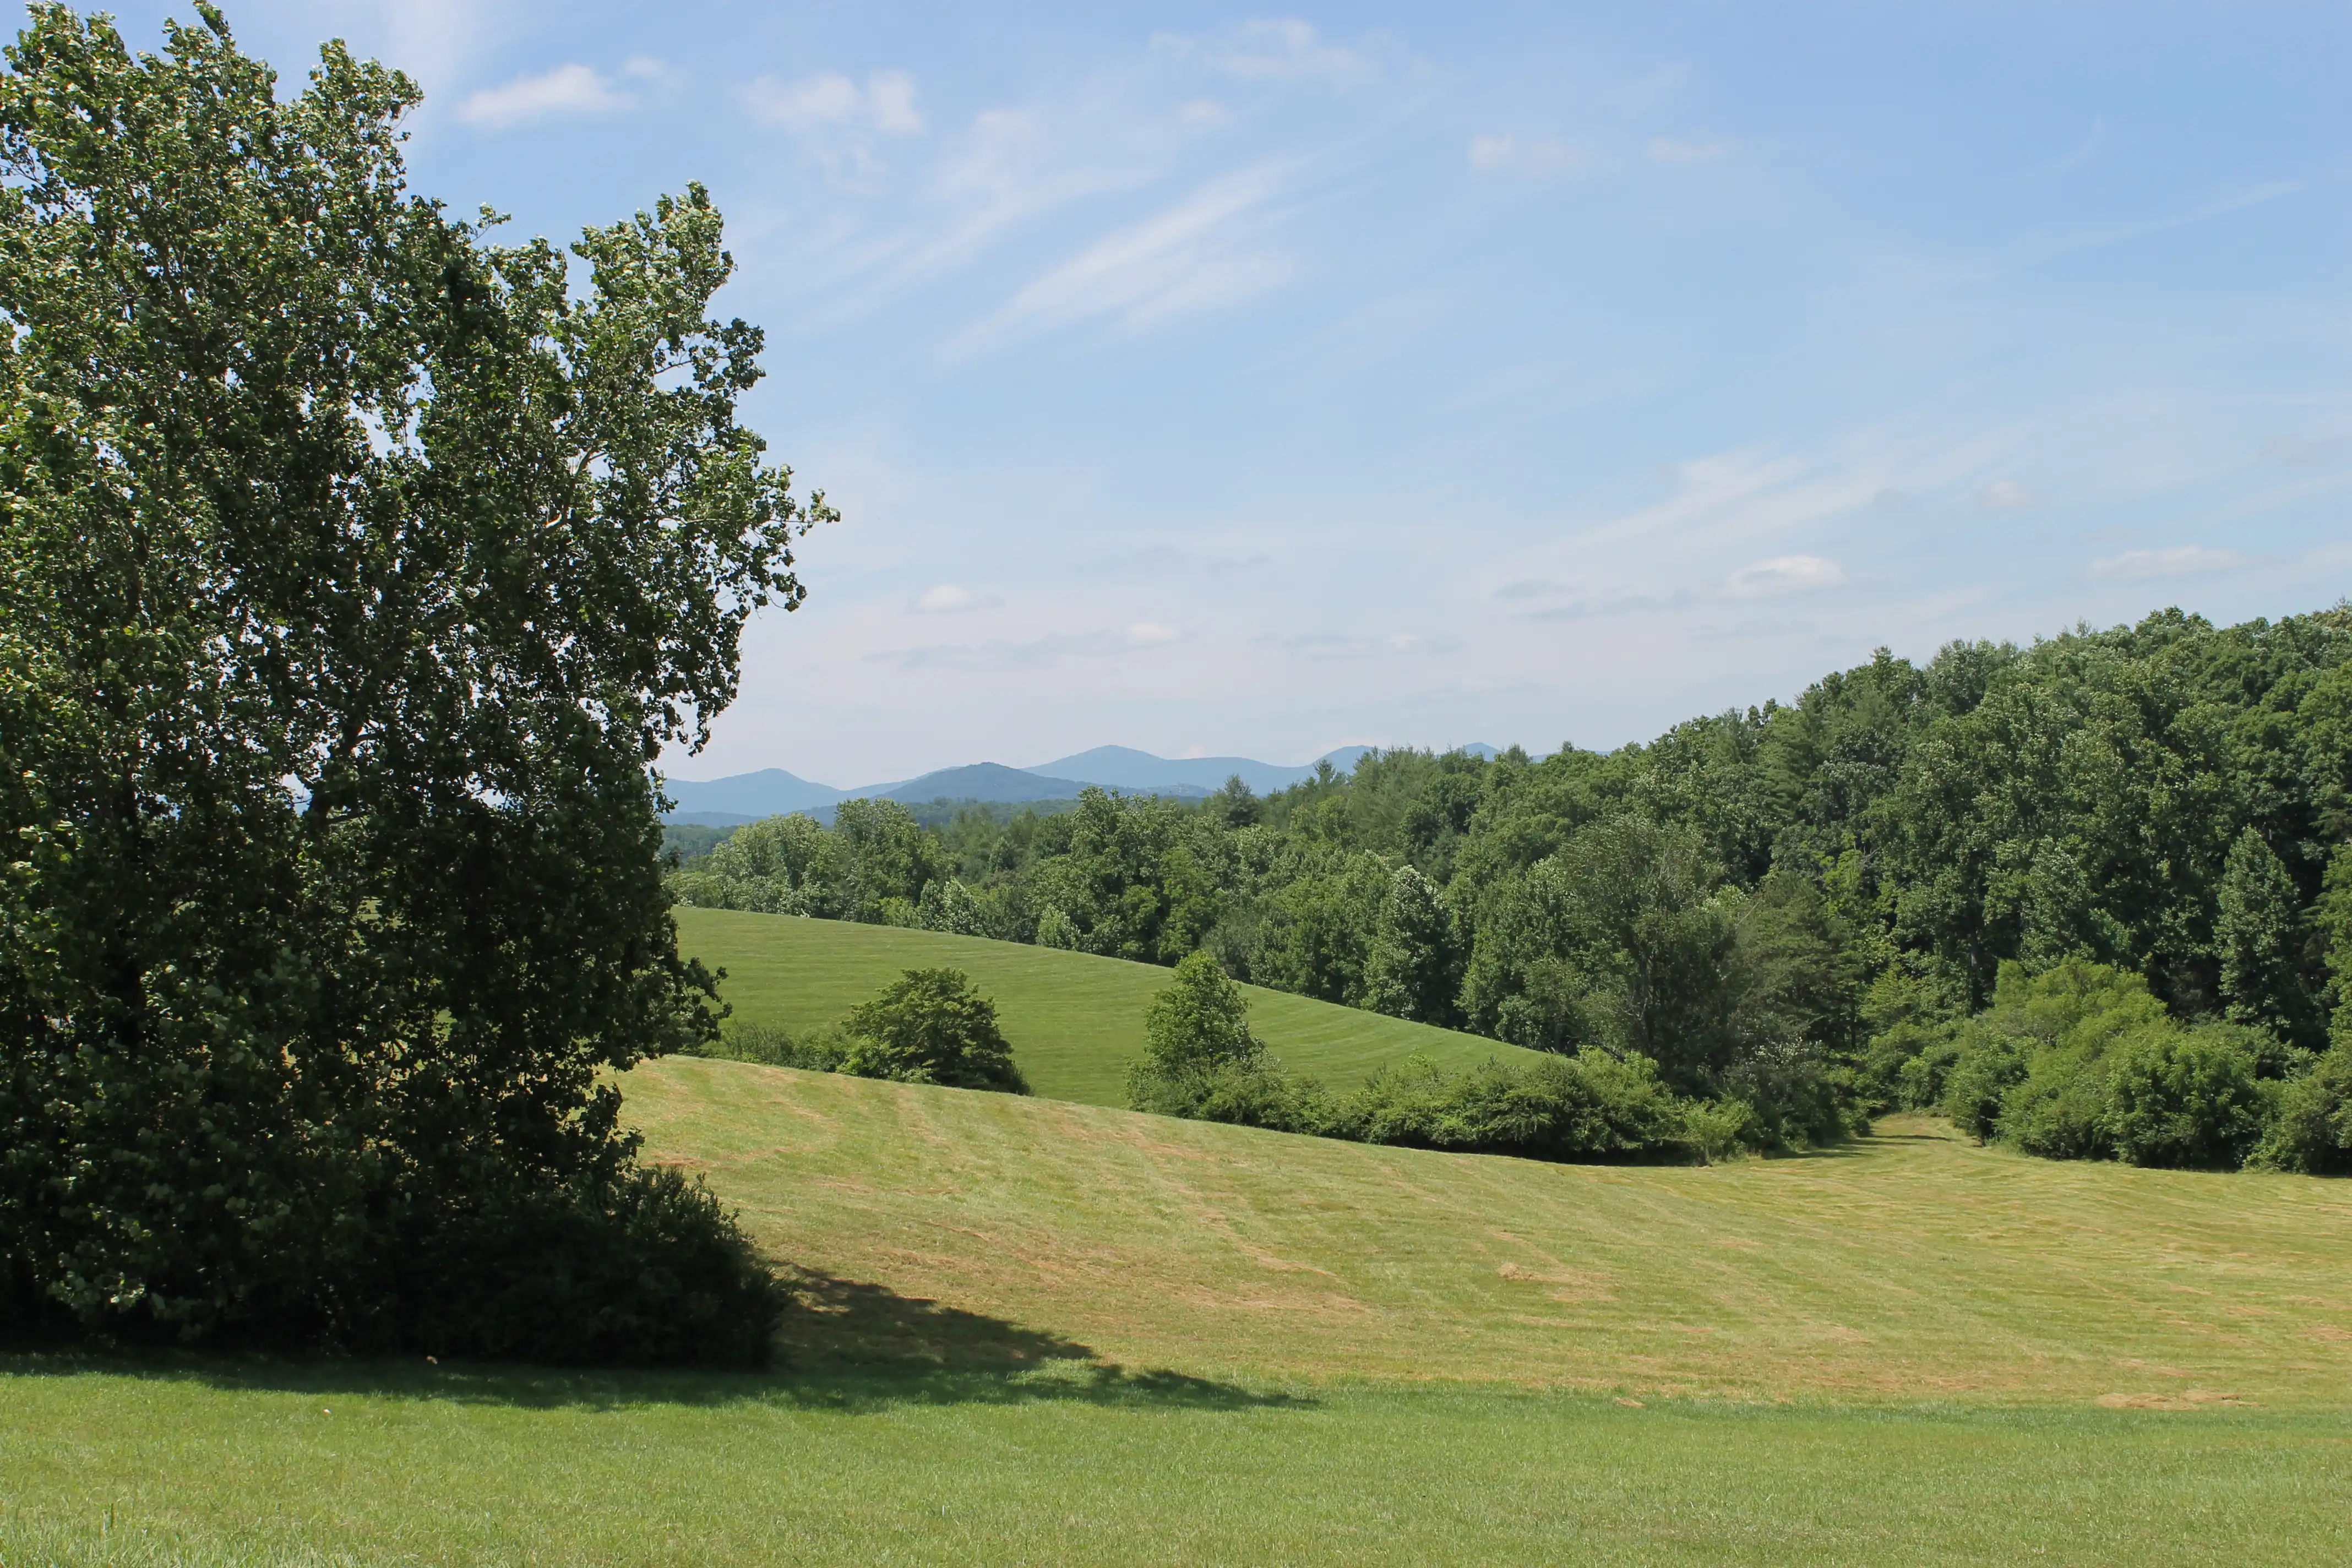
1216, 380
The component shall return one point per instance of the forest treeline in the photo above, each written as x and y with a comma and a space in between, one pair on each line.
1816, 908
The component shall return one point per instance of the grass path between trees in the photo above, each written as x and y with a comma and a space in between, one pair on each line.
1075, 1020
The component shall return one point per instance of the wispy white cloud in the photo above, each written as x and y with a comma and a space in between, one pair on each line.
839, 123
2177, 561
952, 598
568, 89
1011, 169
1351, 645
1784, 574
2005, 495
654, 72
1507, 153
1273, 49
1679, 150
1199, 255
885, 103
1033, 653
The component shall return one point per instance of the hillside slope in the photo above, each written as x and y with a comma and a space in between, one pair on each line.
1912, 1266
1075, 1020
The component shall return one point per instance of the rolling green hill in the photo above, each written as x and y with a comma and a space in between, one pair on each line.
1075, 1020
1910, 1265
1036, 1331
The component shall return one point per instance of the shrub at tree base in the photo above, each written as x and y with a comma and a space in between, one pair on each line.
2187, 1099
644, 1269
2313, 1133
1587, 1106
2080, 1062
1200, 1061
353, 570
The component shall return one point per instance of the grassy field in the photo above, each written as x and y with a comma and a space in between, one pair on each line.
1913, 1264
1059, 1334
1075, 1020
421, 1465
1037, 1332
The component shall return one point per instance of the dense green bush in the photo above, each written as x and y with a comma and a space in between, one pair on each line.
643, 1269
2187, 1098
1587, 1106
815, 1050
2313, 1129
1198, 1051
2082, 1062
930, 1026
1984, 1069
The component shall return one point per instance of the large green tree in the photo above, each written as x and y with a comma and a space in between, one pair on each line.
356, 570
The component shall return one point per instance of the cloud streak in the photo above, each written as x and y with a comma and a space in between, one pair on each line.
886, 104
1193, 256
567, 91
1002, 654
2177, 561
1784, 574
1282, 50
1539, 155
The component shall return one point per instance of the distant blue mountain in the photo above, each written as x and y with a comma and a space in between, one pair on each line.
980, 781
771, 792
1123, 767
747, 797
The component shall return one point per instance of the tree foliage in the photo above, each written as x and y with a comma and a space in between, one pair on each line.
1794, 906
354, 569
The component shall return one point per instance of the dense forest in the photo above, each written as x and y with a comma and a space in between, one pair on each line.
1817, 907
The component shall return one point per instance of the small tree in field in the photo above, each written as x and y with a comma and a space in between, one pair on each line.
1199, 1022
933, 1027
1200, 1059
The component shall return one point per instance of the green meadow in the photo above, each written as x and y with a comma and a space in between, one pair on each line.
289, 1466
1075, 1020
1037, 1330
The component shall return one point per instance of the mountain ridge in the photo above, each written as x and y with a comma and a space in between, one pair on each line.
739, 798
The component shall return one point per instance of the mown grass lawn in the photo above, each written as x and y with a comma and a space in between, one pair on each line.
273, 1465
1909, 1265
1039, 1332
1075, 1020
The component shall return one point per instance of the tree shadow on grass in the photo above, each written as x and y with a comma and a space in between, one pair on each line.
846, 1345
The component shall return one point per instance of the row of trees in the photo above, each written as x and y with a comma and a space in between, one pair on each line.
1781, 904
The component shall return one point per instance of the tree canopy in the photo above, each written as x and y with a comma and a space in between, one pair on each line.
1787, 904
353, 570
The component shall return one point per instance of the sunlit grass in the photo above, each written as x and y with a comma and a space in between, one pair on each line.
1075, 1020
1037, 1332
1911, 1265
369, 1465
